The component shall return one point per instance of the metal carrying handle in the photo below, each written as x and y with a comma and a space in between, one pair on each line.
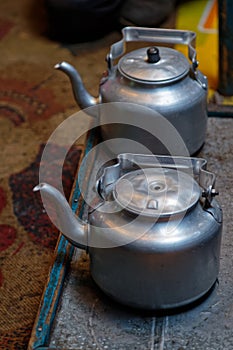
128, 162
166, 36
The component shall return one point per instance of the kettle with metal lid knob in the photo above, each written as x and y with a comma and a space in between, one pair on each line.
153, 232
158, 77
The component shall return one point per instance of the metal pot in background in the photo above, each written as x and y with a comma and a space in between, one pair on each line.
160, 78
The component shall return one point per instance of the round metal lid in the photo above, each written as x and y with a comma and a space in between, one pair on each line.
139, 65
156, 192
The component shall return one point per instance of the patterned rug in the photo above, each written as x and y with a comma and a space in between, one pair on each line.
34, 99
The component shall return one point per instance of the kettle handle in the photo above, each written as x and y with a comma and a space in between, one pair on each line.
166, 36
129, 161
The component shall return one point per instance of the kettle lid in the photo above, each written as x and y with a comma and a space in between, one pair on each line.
154, 192
154, 65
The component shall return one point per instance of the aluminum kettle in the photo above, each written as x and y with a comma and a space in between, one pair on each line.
160, 78
153, 232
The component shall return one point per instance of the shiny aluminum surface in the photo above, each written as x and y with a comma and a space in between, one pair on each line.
172, 66
156, 192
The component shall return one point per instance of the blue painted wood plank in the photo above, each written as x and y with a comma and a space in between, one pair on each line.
52, 293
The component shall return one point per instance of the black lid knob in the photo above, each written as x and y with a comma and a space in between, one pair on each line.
153, 54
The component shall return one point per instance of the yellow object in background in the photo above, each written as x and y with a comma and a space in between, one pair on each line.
201, 16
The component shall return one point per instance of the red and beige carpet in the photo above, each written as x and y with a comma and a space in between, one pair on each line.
34, 99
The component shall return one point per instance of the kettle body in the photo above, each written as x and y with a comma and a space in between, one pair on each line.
158, 273
161, 240
183, 103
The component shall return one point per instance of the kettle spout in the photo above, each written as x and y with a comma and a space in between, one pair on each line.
62, 215
82, 96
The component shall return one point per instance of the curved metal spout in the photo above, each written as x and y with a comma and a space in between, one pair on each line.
82, 96
65, 220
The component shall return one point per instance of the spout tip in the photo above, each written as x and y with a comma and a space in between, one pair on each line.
64, 66
38, 187
58, 65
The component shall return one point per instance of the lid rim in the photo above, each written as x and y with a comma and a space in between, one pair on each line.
154, 82
156, 192
171, 67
